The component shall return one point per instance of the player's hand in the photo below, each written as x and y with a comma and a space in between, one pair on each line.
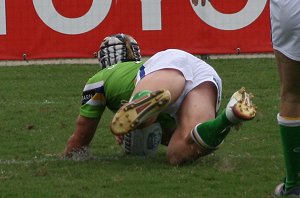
81, 153
203, 2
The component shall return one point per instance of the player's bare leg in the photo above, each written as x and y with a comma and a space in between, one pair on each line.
152, 94
198, 106
192, 139
289, 124
211, 134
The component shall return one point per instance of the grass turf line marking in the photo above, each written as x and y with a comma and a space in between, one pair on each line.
93, 158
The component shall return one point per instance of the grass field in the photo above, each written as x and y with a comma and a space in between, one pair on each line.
39, 105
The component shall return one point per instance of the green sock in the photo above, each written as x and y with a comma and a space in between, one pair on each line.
140, 94
213, 132
290, 137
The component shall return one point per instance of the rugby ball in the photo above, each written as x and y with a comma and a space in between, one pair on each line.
143, 142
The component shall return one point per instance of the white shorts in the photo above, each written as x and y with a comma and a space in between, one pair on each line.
285, 23
194, 70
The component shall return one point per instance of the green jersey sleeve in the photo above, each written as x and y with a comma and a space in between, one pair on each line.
108, 88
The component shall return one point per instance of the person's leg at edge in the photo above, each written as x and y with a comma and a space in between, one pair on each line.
289, 119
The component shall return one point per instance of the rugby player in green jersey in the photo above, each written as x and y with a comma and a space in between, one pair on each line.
171, 82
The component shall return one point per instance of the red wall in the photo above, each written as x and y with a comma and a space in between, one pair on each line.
74, 28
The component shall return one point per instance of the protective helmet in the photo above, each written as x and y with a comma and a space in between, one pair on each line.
118, 48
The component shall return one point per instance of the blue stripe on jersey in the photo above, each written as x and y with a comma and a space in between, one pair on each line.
91, 90
142, 71
100, 89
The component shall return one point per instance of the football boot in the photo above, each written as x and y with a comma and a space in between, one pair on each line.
141, 109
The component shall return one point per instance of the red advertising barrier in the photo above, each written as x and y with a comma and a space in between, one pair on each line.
38, 29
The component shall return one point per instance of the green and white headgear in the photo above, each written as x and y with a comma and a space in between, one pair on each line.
118, 48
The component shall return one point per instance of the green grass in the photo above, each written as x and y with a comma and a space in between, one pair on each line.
39, 106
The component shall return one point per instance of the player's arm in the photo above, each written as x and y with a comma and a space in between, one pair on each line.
86, 125
82, 136
91, 110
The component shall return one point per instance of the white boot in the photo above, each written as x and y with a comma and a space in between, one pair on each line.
240, 107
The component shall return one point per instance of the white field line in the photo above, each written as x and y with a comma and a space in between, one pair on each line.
45, 102
116, 157
47, 62
25, 162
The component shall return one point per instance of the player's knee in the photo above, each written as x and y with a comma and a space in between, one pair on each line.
174, 159
187, 155
181, 159
179, 156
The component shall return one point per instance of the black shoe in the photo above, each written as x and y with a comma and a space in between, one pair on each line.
280, 191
